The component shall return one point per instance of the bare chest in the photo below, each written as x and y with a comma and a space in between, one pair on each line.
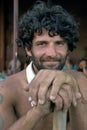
23, 106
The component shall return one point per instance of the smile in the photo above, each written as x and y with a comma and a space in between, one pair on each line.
50, 63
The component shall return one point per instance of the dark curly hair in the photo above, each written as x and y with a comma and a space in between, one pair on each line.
55, 19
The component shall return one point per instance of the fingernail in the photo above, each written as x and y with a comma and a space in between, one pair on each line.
30, 98
52, 97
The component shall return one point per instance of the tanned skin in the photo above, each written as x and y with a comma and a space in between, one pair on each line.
47, 34
16, 112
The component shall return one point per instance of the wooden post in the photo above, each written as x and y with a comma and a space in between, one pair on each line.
15, 22
59, 120
2, 36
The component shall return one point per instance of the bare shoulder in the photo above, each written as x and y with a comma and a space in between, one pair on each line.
12, 98
13, 84
14, 79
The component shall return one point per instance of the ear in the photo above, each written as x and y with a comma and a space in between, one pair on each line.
28, 51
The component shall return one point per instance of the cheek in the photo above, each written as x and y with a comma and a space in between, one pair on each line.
37, 53
62, 52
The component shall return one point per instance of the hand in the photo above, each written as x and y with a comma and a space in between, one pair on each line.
45, 108
56, 81
65, 98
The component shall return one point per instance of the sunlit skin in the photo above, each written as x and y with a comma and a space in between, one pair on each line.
48, 52
28, 101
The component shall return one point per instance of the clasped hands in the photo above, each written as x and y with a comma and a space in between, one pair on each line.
59, 87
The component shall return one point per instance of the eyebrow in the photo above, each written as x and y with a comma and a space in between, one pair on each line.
54, 41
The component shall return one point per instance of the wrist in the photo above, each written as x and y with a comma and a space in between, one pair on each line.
32, 118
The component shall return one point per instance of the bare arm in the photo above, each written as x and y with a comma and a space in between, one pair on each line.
28, 121
8, 119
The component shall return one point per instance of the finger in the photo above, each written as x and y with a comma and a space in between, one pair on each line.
39, 86
59, 80
34, 87
72, 81
69, 91
75, 87
67, 98
71, 94
58, 103
76, 90
76, 93
33, 91
45, 87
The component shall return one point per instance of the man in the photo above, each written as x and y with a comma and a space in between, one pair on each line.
82, 67
47, 34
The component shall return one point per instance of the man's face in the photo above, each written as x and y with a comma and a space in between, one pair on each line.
82, 64
48, 52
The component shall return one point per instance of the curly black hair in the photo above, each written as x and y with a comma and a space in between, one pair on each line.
55, 19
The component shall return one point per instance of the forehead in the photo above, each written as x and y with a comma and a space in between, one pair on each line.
45, 36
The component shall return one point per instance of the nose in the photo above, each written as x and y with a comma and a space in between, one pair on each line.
51, 50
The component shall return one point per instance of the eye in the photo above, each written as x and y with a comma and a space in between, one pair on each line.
60, 43
41, 43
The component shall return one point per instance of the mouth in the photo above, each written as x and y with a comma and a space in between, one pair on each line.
51, 64
51, 61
